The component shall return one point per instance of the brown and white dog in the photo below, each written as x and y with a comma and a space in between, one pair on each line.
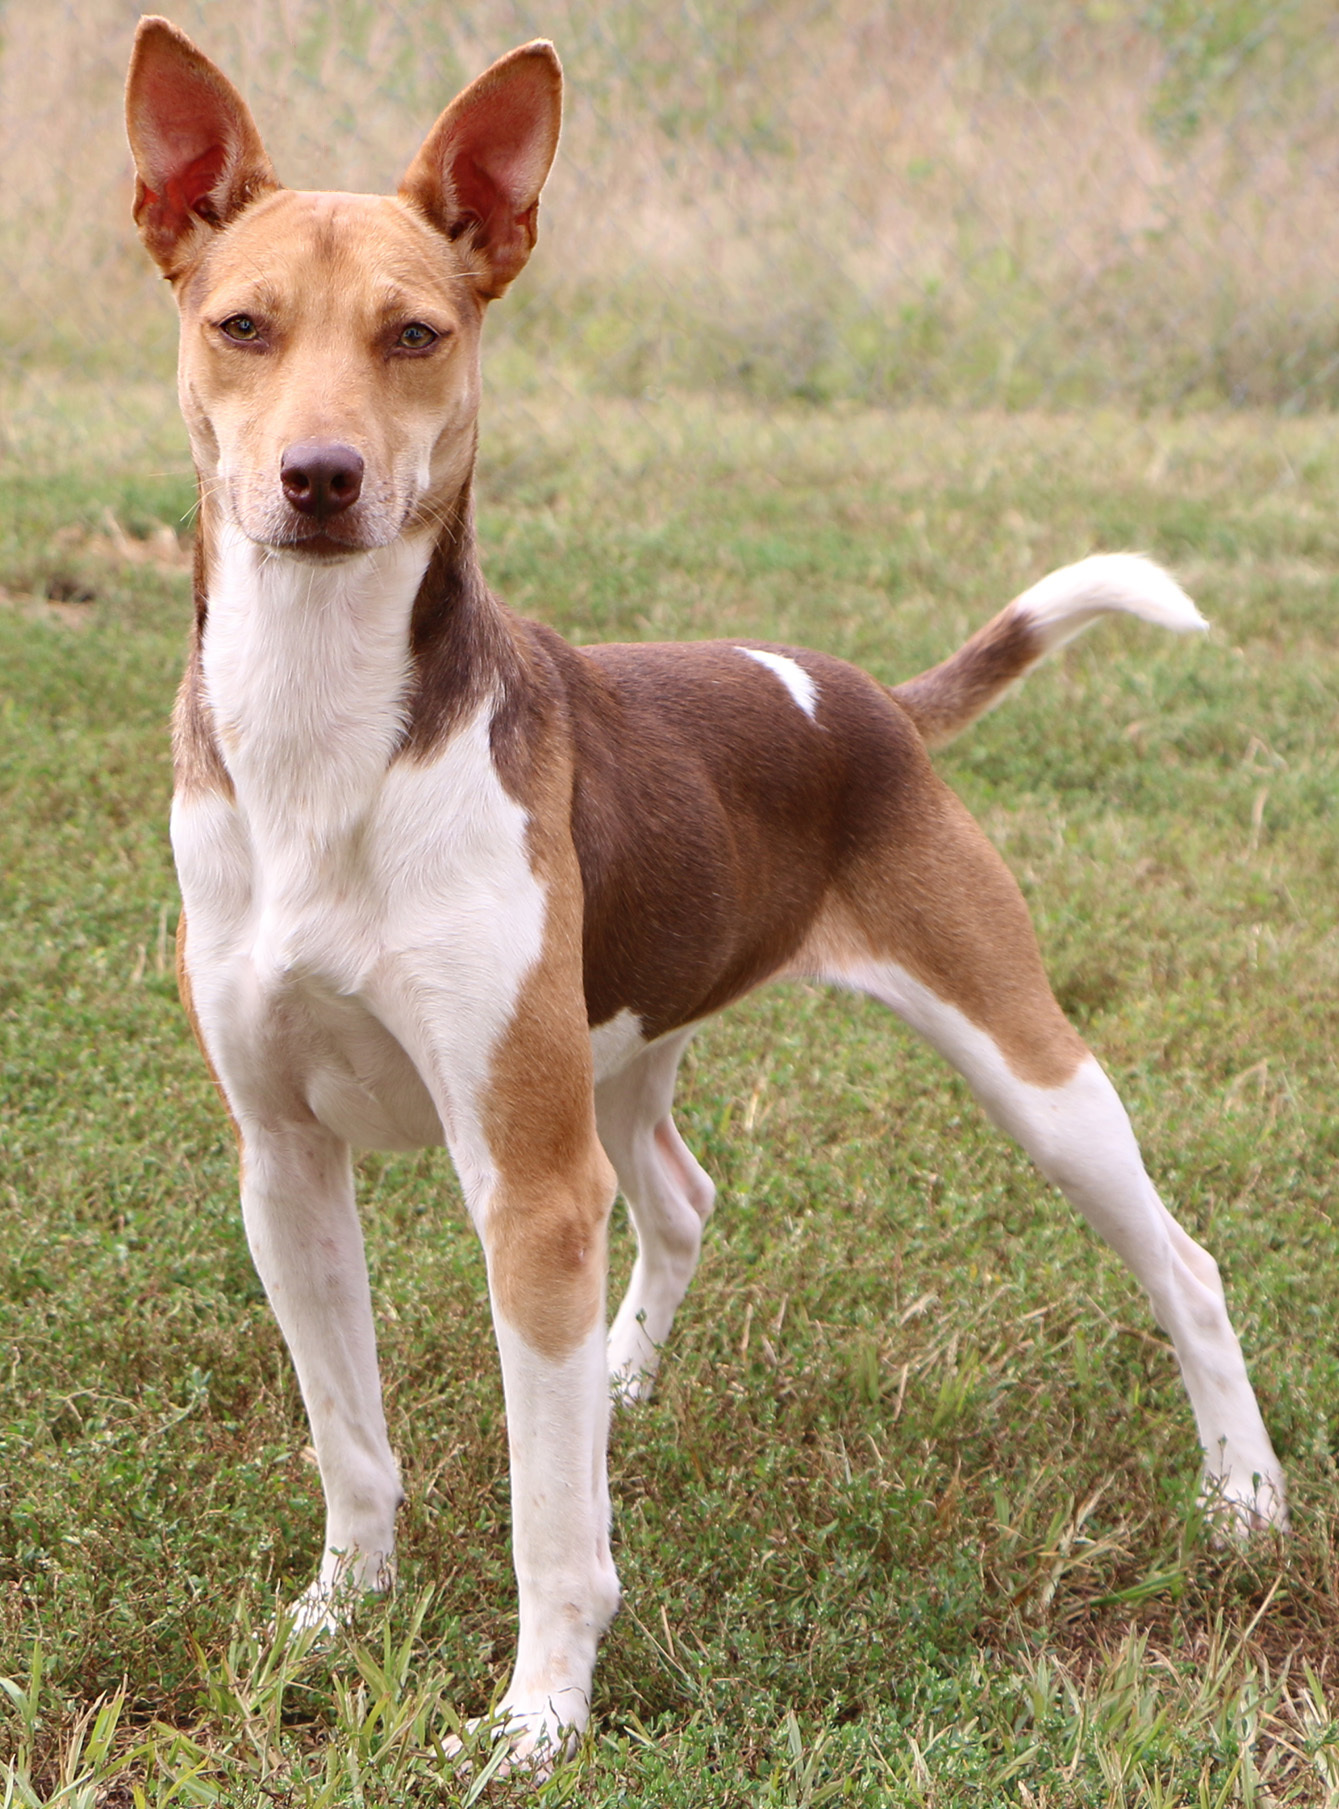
448, 879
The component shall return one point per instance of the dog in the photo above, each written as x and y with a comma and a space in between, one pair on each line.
447, 879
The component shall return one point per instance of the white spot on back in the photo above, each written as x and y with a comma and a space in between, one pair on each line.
792, 675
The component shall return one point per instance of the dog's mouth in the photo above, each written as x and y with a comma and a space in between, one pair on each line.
312, 538
320, 543
323, 535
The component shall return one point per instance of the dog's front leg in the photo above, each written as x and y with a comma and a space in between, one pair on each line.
302, 1226
520, 1122
545, 1247
557, 1425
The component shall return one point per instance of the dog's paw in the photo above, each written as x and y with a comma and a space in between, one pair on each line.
1239, 1508
520, 1739
319, 1611
330, 1601
633, 1361
630, 1384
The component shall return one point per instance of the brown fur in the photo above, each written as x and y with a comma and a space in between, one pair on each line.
944, 700
197, 764
462, 644
708, 869
188, 1005
545, 1232
943, 905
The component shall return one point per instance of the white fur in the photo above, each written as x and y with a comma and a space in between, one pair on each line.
1062, 604
302, 1226
616, 1042
1079, 1136
306, 668
557, 1433
792, 675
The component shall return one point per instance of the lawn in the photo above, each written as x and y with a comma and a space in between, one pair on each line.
911, 1518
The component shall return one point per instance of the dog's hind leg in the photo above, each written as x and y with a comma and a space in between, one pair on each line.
940, 933
670, 1197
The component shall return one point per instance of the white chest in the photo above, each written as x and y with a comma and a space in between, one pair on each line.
358, 926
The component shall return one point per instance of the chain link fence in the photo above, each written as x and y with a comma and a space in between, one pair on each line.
1023, 204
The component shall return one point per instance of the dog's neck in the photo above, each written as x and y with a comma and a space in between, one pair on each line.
310, 679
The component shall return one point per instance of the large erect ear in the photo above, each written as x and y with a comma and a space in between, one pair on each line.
198, 155
481, 168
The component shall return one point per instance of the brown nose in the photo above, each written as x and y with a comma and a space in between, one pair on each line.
321, 477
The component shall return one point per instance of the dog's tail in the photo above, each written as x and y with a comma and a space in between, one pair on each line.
942, 701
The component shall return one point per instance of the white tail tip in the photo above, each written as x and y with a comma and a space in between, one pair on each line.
1063, 603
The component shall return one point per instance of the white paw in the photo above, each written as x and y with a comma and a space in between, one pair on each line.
1239, 1508
633, 1361
329, 1602
317, 1611
516, 1738
631, 1383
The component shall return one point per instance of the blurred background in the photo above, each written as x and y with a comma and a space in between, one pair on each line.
1017, 204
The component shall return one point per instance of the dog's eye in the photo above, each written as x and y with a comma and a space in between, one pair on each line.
416, 337
240, 328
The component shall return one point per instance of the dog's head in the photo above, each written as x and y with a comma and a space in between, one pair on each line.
329, 369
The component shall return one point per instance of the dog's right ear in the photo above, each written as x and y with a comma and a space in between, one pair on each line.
198, 156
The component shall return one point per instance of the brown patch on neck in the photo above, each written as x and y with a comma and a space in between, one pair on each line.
197, 762
463, 641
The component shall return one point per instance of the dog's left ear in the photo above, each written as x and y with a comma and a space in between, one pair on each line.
480, 170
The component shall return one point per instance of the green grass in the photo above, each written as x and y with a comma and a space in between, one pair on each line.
911, 1517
